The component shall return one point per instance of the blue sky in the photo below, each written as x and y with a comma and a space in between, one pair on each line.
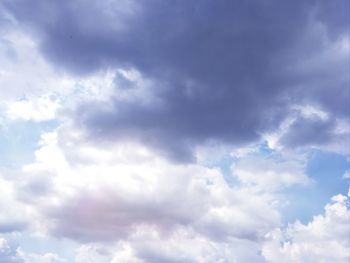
174, 131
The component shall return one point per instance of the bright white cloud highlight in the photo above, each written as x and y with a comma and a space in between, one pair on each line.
324, 239
37, 109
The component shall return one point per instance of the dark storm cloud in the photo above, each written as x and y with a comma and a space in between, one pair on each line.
223, 70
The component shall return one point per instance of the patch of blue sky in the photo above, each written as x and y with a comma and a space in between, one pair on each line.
31, 244
65, 248
326, 170
225, 163
19, 140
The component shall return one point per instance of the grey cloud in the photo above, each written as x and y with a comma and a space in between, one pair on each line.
223, 70
306, 131
335, 14
325, 133
122, 82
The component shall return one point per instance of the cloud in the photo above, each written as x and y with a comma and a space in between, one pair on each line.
23, 71
34, 89
223, 71
147, 92
148, 245
121, 201
310, 127
14, 219
295, 243
40, 109
271, 172
45, 258
124, 202
305, 131
91, 253
104, 193
324, 239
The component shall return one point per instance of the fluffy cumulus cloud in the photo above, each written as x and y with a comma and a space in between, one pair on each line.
182, 246
173, 131
324, 239
124, 203
109, 193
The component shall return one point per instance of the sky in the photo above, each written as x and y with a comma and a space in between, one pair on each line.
174, 131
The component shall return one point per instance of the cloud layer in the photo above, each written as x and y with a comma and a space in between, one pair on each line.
173, 131
226, 71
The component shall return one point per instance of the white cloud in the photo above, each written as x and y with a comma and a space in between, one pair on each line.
15, 215
270, 172
23, 71
133, 186
147, 244
45, 258
113, 193
185, 245
91, 253
324, 239
309, 111
37, 109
